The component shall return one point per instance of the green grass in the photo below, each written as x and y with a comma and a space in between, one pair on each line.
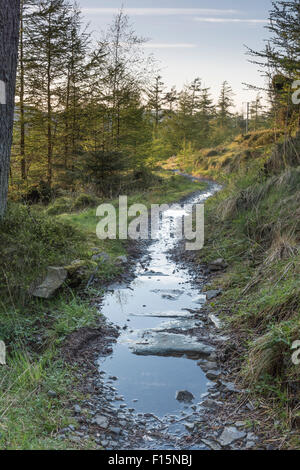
34, 330
29, 418
172, 188
254, 224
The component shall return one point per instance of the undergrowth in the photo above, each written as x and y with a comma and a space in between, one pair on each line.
33, 237
254, 224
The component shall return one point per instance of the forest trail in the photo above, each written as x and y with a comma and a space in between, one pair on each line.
165, 331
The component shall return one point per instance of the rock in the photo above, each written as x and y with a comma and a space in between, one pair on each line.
112, 377
215, 320
230, 386
251, 436
101, 258
115, 430
189, 426
101, 421
250, 445
212, 294
217, 265
167, 314
185, 396
171, 344
181, 325
229, 435
2, 353
240, 424
52, 394
77, 409
113, 444
78, 271
55, 278
209, 403
121, 260
211, 444
213, 374
207, 365
104, 443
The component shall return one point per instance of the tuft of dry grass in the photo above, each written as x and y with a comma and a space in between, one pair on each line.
283, 247
265, 357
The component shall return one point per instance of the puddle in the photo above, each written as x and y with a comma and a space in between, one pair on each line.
158, 299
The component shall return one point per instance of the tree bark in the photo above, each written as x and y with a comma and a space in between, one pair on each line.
9, 38
22, 94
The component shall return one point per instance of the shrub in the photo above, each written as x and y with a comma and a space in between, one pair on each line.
29, 242
85, 200
60, 206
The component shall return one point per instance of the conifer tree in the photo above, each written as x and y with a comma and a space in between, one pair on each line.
171, 98
48, 30
73, 93
225, 103
156, 99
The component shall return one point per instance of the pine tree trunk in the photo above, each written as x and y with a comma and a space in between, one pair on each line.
49, 106
9, 36
22, 107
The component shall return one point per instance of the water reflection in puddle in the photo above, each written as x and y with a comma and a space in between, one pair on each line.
153, 380
158, 297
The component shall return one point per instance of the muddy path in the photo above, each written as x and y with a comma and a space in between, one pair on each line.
158, 383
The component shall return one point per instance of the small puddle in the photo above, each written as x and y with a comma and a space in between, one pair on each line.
157, 300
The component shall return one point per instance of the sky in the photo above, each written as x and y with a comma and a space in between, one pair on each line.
195, 38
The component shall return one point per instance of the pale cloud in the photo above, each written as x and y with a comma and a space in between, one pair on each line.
162, 45
158, 11
230, 20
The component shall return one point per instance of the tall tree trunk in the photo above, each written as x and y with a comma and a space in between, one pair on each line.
49, 138
22, 108
9, 38
49, 109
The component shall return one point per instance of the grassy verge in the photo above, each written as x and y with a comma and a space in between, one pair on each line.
230, 161
37, 385
254, 224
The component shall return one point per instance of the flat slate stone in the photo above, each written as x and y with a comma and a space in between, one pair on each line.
190, 426
213, 374
211, 444
229, 435
167, 314
215, 320
182, 324
169, 344
230, 386
212, 294
101, 421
